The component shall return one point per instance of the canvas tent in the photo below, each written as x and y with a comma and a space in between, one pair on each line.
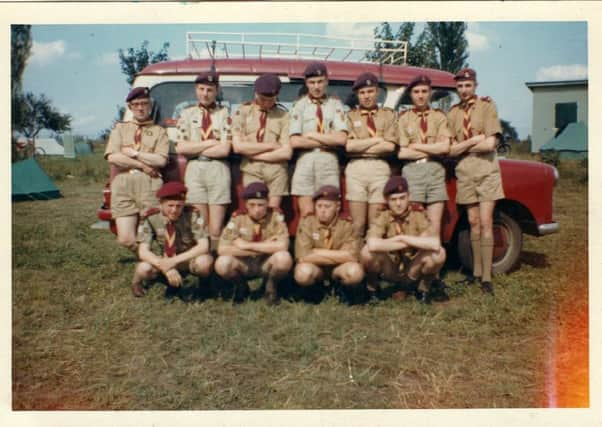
30, 182
571, 143
49, 147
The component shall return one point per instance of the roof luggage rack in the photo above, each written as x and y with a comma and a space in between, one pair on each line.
220, 45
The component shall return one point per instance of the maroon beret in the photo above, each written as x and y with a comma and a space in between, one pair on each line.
138, 92
466, 74
172, 190
395, 184
267, 85
420, 79
255, 190
208, 78
315, 69
328, 192
365, 79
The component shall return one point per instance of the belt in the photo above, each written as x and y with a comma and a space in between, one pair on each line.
203, 158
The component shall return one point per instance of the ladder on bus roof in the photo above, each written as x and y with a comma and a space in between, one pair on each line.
220, 45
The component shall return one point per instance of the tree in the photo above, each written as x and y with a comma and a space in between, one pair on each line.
134, 60
508, 131
440, 45
104, 134
42, 115
20, 50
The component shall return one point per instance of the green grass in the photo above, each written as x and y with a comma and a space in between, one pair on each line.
81, 341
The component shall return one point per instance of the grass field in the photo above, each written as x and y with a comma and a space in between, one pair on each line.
81, 341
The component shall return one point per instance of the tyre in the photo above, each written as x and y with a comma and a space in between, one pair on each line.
508, 242
504, 149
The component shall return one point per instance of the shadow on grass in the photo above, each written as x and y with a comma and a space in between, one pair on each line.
532, 259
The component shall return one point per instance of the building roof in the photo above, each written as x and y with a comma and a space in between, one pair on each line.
293, 68
535, 85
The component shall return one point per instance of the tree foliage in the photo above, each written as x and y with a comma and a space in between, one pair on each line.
133, 60
20, 50
440, 45
41, 114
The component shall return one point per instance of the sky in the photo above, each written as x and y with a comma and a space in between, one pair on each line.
77, 66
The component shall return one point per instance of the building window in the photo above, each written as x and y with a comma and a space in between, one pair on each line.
565, 113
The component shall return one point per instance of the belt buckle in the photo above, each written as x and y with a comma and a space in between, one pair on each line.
133, 171
203, 158
318, 150
424, 160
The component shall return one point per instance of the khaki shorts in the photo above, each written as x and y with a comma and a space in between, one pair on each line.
314, 170
208, 182
365, 180
133, 192
275, 176
474, 189
426, 182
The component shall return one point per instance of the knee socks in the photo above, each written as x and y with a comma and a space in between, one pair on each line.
477, 263
487, 257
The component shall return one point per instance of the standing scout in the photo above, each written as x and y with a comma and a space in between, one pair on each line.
475, 126
138, 148
181, 235
260, 134
204, 137
317, 128
424, 138
326, 244
255, 243
401, 246
372, 136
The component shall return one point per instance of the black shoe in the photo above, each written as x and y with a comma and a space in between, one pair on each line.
437, 291
171, 293
241, 292
469, 280
372, 295
487, 288
423, 297
344, 295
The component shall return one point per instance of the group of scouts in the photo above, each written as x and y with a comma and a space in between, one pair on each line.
393, 228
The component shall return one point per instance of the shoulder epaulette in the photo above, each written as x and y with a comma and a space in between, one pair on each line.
388, 109
439, 110
241, 211
417, 206
486, 99
402, 112
149, 212
308, 214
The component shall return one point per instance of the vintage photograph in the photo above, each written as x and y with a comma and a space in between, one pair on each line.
317, 215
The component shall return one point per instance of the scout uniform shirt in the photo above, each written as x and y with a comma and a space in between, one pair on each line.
242, 226
386, 225
416, 127
305, 116
269, 127
363, 124
338, 235
146, 137
189, 229
132, 190
197, 123
477, 117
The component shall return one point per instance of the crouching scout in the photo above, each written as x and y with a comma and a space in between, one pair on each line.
204, 137
401, 247
372, 136
326, 245
138, 148
180, 233
255, 243
260, 135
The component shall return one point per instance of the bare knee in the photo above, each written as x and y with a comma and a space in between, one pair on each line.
128, 241
202, 265
144, 270
352, 274
281, 263
224, 266
305, 274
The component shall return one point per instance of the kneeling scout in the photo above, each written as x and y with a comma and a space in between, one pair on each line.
255, 243
181, 234
326, 244
401, 247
